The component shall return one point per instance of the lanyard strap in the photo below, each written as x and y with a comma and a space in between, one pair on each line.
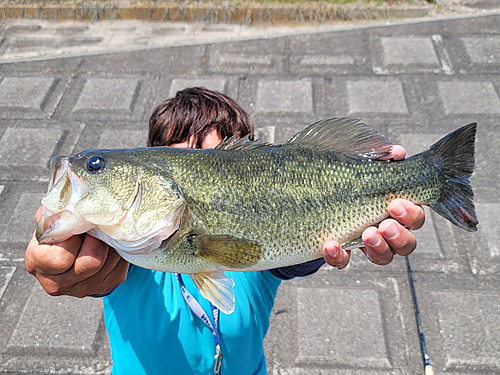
196, 308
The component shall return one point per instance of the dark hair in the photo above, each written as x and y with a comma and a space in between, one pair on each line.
195, 112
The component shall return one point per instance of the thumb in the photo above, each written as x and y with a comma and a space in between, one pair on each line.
38, 214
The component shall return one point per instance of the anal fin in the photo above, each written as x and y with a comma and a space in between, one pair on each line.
353, 244
217, 288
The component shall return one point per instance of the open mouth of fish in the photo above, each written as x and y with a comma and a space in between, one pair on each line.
61, 218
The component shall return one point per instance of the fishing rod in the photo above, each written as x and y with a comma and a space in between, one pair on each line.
427, 364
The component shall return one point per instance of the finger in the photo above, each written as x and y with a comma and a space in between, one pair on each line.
336, 256
117, 276
52, 259
407, 213
92, 257
38, 214
376, 248
111, 275
400, 239
67, 284
398, 153
93, 254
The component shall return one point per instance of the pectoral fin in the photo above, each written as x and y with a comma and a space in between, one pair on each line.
228, 251
217, 288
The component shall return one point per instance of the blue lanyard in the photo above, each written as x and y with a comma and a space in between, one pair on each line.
196, 308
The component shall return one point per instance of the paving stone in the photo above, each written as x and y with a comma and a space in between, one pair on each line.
409, 51
469, 329
482, 247
286, 126
323, 60
27, 147
481, 25
254, 57
327, 53
18, 45
170, 30
265, 134
211, 84
50, 323
489, 213
121, 40
24, 92
487, 165
428, 241
79, 42
217, 28
30, 97
284, 96
6, 274
469, 97
109, 95
404, 30
25, 153
406, 54
21, 224
321, 341
40, 359
22, 29
43, 67
123, 134
326, 311
233, 63
485, 50
65, 30
155, 61
368, 96
119, 138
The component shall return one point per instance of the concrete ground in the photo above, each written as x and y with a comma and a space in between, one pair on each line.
414, 81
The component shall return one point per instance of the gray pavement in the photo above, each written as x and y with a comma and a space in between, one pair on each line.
413, 81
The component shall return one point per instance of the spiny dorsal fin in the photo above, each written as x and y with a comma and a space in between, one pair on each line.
346, 135
217, 288
228, 251
237, 143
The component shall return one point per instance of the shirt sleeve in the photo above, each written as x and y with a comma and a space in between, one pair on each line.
298, 270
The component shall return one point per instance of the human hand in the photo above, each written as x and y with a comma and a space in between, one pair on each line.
80, 266
390, 238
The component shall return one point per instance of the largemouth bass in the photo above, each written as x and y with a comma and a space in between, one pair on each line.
247, 206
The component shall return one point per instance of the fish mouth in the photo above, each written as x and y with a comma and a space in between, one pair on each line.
44, 225
58, 221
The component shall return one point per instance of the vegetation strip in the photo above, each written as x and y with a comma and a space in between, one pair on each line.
237, 14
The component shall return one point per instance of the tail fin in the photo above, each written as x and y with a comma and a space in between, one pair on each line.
455, 154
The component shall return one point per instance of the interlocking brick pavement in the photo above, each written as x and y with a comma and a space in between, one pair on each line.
414, 82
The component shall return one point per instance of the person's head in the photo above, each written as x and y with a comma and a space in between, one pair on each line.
197, 118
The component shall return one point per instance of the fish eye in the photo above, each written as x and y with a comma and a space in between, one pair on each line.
95, 164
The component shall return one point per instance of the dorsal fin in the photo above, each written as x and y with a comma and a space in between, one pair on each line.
346, 135
237, 143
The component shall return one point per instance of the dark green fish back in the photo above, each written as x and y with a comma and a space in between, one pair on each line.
292, 198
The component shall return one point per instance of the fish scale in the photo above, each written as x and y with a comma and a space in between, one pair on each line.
255, 202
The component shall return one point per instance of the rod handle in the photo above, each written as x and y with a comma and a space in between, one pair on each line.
429, 370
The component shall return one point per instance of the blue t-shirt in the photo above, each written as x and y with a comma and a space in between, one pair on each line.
152, 330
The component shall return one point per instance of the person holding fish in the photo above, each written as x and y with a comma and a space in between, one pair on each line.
159, 322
